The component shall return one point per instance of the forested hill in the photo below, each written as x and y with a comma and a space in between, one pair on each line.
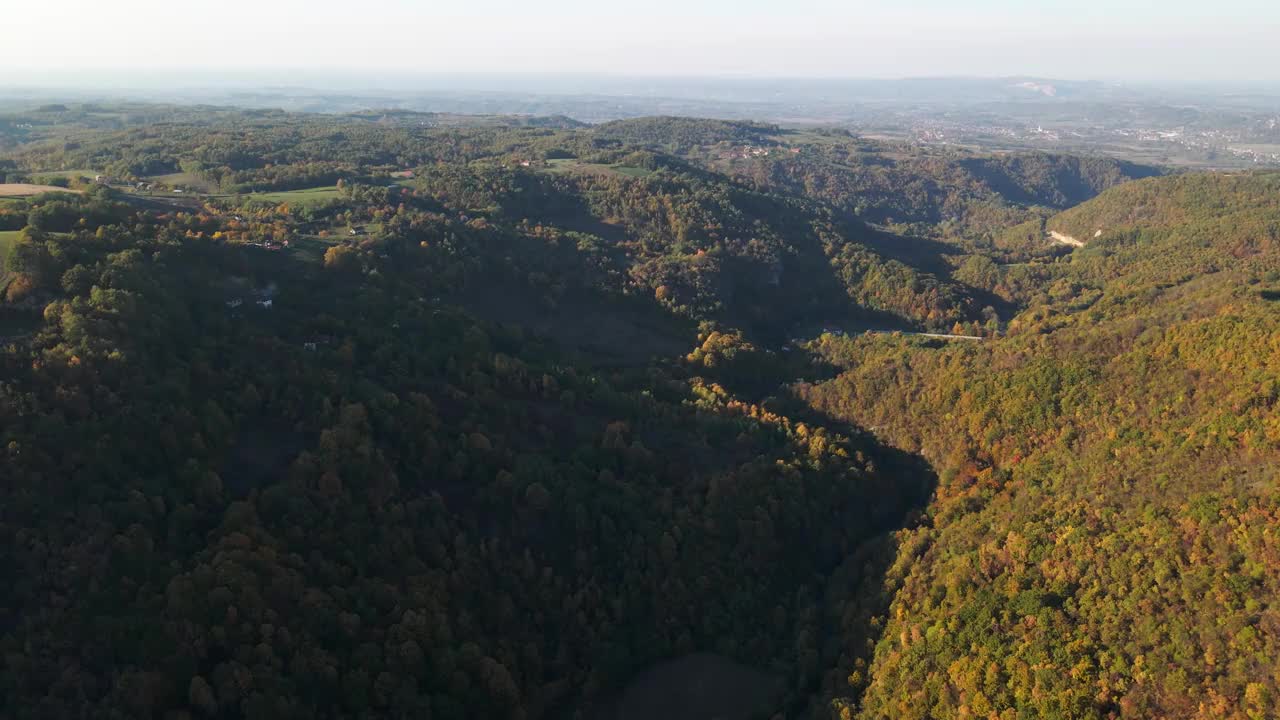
369, 416
919, 190
884, 182
292, 511
1100, 536
678, 134
1196, 201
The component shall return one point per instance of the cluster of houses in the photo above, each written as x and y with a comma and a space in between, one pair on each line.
750, 151
140, 185
263, 298
237, 302
755, 151
269, 245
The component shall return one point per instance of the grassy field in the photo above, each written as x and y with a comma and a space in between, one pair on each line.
297, 198
631, 171
45, 176
7, 238
572, 165
311, 249
24, 189
195, 182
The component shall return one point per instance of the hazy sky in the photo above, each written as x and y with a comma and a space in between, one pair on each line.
1201, 40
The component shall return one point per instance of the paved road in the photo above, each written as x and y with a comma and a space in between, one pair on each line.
938, 336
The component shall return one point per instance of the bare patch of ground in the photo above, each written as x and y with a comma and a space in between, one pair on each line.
1064, 239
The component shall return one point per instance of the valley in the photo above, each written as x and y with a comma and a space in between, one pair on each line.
377, 415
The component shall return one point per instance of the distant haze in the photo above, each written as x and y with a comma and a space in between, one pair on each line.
141, 42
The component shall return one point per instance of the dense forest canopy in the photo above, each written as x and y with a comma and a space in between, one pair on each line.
407, 415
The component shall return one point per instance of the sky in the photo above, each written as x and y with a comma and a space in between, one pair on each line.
1148, 40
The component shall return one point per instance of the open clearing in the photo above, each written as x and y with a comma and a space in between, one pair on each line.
24, 189
1064, 239
310, 196
7, 238
572, 165
190, 180
44, 175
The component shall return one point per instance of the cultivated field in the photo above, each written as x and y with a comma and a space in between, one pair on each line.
45, 175
24, 189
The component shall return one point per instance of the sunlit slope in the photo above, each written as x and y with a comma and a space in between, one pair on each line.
1100, 539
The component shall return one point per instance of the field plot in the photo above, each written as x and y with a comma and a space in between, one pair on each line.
570, 165
24, 189
297, 198
7, 238
191, 180
44, 176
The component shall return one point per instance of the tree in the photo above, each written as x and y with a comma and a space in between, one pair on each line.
342, 258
